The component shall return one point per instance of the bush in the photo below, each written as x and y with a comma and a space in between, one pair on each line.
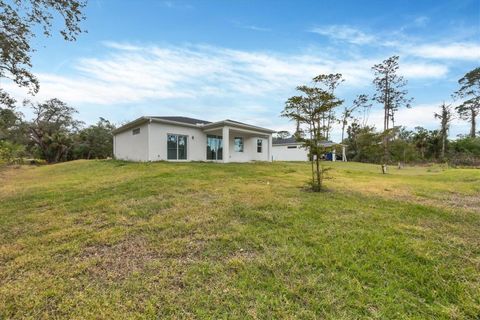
11, 153
465, 151
467, 145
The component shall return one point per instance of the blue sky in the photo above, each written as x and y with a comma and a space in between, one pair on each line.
242, 59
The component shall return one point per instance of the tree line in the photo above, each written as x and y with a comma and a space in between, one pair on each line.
315, 110
418, 145
53, 134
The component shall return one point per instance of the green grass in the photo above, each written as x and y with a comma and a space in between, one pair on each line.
107, 239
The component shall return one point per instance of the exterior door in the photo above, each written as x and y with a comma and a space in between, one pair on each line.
214, 147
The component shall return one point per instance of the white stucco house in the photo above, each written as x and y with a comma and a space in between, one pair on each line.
289, 149
188, 139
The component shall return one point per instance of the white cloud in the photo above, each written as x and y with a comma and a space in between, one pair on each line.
423, 70
420, 115
133, 74
409, 47
255, 28
345, 33
453, 51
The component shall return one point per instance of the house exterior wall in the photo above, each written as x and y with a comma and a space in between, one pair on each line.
283, 153
132, 147
151, 144
196, 145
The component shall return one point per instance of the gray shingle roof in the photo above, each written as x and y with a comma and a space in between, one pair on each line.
292, 140
284, 141
183, 120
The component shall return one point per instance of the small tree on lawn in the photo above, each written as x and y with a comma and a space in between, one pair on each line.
308, 110
470, 92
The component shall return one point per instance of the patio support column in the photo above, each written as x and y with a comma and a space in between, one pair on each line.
270, 147
226, 143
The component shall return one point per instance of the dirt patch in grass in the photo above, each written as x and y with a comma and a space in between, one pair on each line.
118, 261
471, 202
136, 254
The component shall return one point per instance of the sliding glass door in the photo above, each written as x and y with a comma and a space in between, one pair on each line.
214, 147
177, 147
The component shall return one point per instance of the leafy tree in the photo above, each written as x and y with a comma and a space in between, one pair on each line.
292, 103
20, 21
51, 129
427, 143
402, 149
9, 121
361, 101
420, 138
95, 141
12, 127
308, 110
363, 143
284, 134
11, 152
391, 94
329, 83
445, 115
470, 92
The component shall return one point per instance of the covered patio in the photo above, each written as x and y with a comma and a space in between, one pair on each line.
232, 141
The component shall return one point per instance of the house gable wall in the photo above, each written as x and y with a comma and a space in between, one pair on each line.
132, 147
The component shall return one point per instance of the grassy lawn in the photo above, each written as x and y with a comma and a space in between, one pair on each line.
107, 239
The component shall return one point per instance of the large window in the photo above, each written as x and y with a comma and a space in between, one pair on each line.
259, 145
214, 147
177, 147
238, 142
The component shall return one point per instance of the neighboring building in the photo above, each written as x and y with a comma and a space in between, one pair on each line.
187, 139
290, 149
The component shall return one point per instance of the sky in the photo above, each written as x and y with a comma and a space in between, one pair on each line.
241, 60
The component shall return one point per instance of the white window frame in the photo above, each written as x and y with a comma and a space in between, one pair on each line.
241, 147
186, 147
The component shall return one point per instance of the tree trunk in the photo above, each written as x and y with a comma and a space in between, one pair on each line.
473, 129
343, 130
311, 159
444, 138
386, 126
319, 179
